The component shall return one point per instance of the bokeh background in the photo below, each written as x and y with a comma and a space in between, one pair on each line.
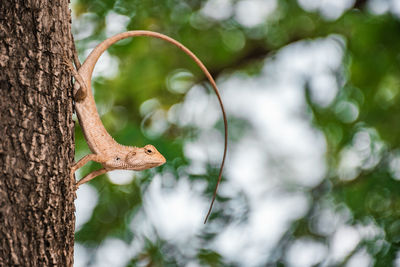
311, 88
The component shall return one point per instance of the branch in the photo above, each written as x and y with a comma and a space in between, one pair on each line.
258, 51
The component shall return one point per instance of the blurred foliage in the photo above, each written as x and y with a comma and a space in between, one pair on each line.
370, 82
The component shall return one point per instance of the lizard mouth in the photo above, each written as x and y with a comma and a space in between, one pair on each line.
157, 163
160, 162
149, 165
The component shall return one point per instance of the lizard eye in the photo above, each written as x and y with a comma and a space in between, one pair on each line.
117, 158
149, 149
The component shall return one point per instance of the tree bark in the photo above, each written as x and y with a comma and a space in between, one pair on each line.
36, 134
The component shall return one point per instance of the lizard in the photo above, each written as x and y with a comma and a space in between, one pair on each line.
104, 148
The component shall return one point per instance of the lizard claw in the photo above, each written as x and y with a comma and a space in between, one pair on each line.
66, 62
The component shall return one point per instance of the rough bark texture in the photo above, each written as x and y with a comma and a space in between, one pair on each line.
36, 135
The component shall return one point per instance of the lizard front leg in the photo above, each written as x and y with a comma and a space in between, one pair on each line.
90, 176
82, 162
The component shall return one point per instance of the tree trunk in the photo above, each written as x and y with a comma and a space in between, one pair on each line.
36, 134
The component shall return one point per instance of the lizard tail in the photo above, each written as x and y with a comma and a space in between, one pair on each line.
88, 66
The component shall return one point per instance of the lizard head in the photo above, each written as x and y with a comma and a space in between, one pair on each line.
143, 158
136, 159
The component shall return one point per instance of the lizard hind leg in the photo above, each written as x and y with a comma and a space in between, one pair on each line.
81, 93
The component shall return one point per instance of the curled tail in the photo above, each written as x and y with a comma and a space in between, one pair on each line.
88, 66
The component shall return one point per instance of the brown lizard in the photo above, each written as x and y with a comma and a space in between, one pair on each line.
105, 149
